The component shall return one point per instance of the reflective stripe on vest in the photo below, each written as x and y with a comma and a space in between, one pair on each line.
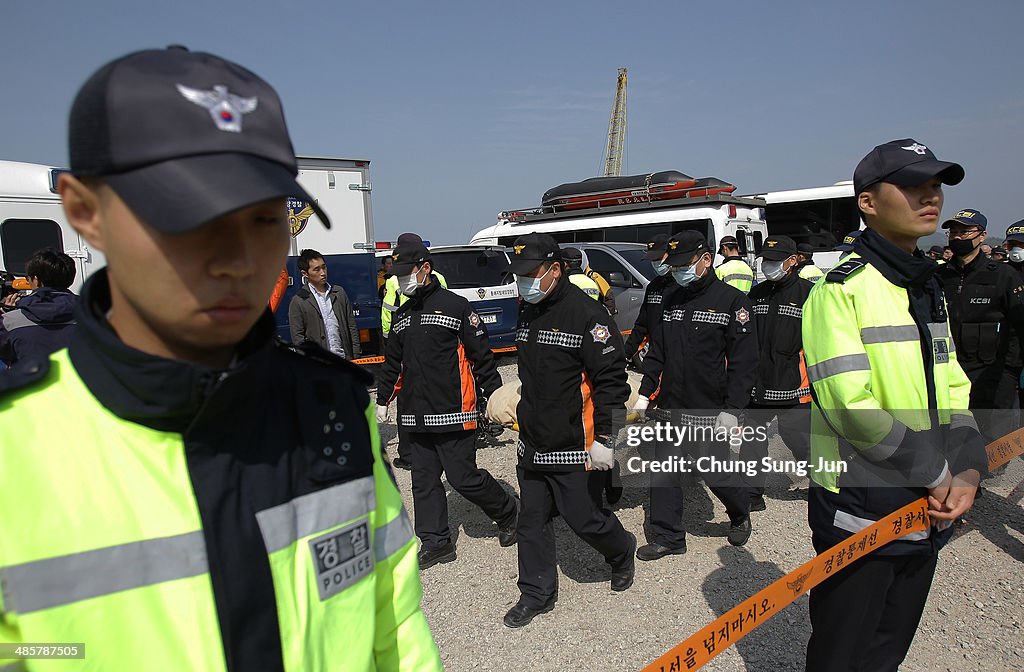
54, 582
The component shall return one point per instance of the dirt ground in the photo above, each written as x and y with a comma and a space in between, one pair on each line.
973, 619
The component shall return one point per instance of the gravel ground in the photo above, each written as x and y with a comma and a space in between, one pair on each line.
972, 621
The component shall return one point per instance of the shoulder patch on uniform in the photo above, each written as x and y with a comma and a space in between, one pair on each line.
314, 352
25, 372
474, 319
743, 316
843, 271
600, 333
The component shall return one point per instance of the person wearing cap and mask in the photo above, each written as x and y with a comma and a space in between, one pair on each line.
1014, 244
998, 254
935, 254
573, 259
806, 268
573, 381
702, 364
394, 298
654, 294
734, 271
227, 476
438, 348
891, 402
986, 313
782, 389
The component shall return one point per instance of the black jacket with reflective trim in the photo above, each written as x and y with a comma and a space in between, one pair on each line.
650, 312
703, 353
573, 378
986, 312
255, 436
778, 312
437, 358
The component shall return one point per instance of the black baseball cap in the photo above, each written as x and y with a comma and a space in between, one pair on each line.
935, 249
848, 241
729, 240
805, 248
777, 248
657, 246
572, 254
183, 137
967, 217
408, 238
532, 250
408, 256
683, 246
1015, 231
906, 163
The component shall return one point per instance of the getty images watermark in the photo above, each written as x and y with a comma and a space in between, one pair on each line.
677, 455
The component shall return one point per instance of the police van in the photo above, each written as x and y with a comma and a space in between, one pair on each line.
31, 217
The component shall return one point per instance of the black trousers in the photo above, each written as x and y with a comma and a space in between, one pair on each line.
454, 453
794, 427
667, 505
576, 495
865, 617
403, 443
995, 399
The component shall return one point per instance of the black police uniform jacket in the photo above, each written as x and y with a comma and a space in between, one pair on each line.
986, 313
437, 358
573, 379
279, 423
778, 312
650, 313
703, 355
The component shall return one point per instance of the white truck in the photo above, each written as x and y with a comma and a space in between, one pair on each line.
31, 218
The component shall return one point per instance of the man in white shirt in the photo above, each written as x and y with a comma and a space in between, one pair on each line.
322, 313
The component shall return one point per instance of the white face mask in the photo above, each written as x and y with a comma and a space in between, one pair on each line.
408, 284
773, 270
1017, 255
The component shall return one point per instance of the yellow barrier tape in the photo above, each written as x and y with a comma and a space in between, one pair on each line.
694, 652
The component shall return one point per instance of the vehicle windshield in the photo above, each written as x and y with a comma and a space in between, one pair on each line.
465, 269
638, 260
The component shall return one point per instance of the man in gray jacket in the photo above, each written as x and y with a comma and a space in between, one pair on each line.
321, 313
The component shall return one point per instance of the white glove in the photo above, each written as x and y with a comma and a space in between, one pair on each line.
382, 414
601, 457
641, 404
727, 420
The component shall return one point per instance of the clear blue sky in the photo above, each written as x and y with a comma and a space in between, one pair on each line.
465, 109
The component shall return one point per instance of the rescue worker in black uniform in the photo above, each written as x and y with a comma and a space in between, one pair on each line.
438, 349
1015, 246
782, 388
573, 381
986, 314
702, 362
650, 309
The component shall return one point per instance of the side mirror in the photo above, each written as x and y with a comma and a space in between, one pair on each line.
618, 279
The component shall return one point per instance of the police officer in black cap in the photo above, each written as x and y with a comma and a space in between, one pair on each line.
702, 363
574, 379
986, 314
650, 310
438, 347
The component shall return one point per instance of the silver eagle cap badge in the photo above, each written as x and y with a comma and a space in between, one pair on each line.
225, 108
